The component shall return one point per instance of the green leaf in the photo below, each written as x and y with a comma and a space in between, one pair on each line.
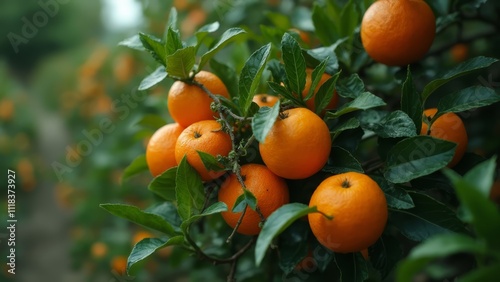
482, 212
244, 200
134, 214
181, 62
280, 90
276, 223
352, 267
365, 101
396, 197
316, 75
227, 75
351, 123
210, 162
396, 124
482, 176
227, 37
439, 246
213, 209
428, 218
172, 18
240, 204
151, 121
137, 166
189, 190
164, 184
417, 156
317, 55
173, 41
204, 31
325, 93
351, 87
323, 25
250, 76
168, 211
133, 42
350, 19
264, 120
460, 70
154, 78
148, 246
295, 64
342, 161
485, 273
155, 47
293, 245
467, 99
385, 254
411, 101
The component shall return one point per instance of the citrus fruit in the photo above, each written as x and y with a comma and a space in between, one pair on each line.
160, 151
140, 235
298, 144
99, 249
204, 136
459, 52
359, 210
269, 189
119, 264
310, 103
447, 127
304, 36
398, 32
495, 192
265, 100
188, 103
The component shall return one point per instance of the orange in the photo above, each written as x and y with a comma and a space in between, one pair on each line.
188, 103
205, 136
310, 103
98, 249
265, 100
139, 235
459, 52
160, 151
119, 264
270, 191
359, 210
448, 127
298, 144
124, 68
304, 36
6, 109
398, 32
495, 192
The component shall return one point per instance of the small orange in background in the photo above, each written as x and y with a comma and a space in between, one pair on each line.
265, 100
119, 264
398, 32
160, 151
6, 109
298, 145
447, 127
359, 210
99, 250
495, 192
269, 189
304, 36
310, 103
459, 52
140, 235
205, 136
188, 103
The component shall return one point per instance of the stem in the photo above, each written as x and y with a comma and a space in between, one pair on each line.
230, 276
238, 223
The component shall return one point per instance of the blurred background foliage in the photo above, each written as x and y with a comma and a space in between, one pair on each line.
71, 75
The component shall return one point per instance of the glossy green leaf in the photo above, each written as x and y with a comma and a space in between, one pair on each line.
181, 63
154, 78
133, 42
213, 209
164, 184
282, 91
417, 156
173, 41
325, 93
397, 197
276, 223
324, 26
227, 37
460, 70
189, 190
168, 211
393, 125
411, 101
317, 55
342, 161
295, 64
467, 99
351, 123
482, 176
202, 33
365, 101
385, 254
135, 215
293, 246
351, 266
316, 75
148, 246
210, 162
428, 218
227, 75
250, 76
155, 47
137, 166
351, 87
264, 120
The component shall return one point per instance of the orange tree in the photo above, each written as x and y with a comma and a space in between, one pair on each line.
397, 197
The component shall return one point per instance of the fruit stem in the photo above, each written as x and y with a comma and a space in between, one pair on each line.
238, 223
346, 183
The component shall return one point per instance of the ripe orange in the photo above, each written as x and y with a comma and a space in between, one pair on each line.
310, 103
205, 136
6, 109
298, 144
265, 100
495, 192
160, 152
398, 32
119, 264
188, 103
99, 250
459, 52
269, 189
448, 127
359, 210
304, 36
139, 235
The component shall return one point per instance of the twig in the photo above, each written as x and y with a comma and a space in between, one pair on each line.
238, 223
232, 272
